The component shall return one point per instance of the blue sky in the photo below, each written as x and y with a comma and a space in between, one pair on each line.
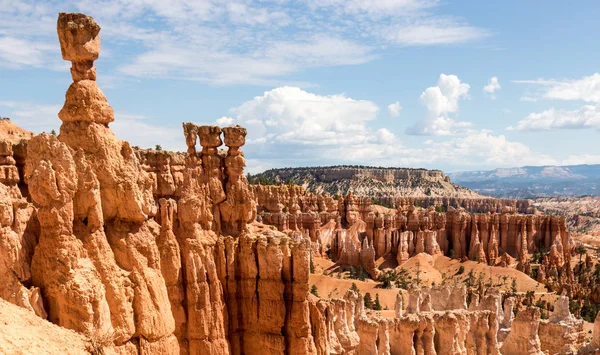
454, 85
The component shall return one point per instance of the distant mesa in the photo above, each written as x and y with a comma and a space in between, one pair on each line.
366, 181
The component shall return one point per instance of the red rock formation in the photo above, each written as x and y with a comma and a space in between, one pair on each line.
152, 247
477, 236
523, 337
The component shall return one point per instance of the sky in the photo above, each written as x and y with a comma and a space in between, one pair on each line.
448, 84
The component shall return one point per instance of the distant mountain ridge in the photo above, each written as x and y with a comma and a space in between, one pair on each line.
533, 181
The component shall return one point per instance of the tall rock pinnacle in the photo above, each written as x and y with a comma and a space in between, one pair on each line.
79, 39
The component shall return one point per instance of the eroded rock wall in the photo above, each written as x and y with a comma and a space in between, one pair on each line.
148, 247
343, 225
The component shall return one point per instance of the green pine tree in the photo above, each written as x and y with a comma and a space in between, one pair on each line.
368, 301
377, 305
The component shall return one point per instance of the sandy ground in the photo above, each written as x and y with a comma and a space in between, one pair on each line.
588, 240
382, 210
22, 332
332, 287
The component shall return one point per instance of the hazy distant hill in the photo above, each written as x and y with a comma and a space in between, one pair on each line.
533, 181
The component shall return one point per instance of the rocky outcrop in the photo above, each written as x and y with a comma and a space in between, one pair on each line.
561, 338
562, 333
450, 332
19, 233
596, 332
442, 298
523, 337
165, 169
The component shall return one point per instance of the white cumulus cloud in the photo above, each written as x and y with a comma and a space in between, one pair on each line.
289, 126
442, 100
224, 121
492, 86
292, 115
394, 109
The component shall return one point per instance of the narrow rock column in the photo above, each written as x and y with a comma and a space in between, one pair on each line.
398, 307
239, 208
9, 175
190, 132
596, 331
561, 309
210, 139
60, 265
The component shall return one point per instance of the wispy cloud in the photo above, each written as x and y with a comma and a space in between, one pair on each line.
432, 32
232, 41
587, 116
584, 89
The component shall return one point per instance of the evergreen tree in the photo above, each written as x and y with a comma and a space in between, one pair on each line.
377, 305
368, 301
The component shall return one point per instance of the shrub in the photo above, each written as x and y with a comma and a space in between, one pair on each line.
99, 340
402, 279
387, 279
358, 273
314, 290
539, 254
